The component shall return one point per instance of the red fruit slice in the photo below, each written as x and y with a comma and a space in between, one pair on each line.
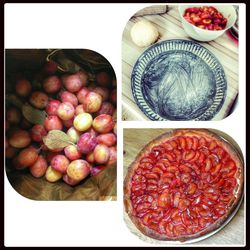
196, 19
139, 178
186, 220
195, 143
151, 187
143, 207
202, 142
146, 218
188, 155
147, 165
173, 143
169, 230
219, 152
193, 214
139, 171
196, 169
225, 159
230, 174
152, 181
138, 187
212, 145
229, 185
147, 160
205, 151
207, 201
185, 169
182, 142
167, 175
162, 226
168, 146
164, 200
152, 176
206, 177
157, 170
174, 213
216, 169
172, 169
197, 200
179, 230
170, 156
162, 164
218, 183
137, 200
191, 189
183, 204
205, 16
204, 222
176, 199
158, 150
207, 21
213, 197
186, 177
208, 165
228, 167
219, 209
226, 198
202, 184
196, 157
201, 158
204, 212
176, 183
214, 159
178, 155
189, 141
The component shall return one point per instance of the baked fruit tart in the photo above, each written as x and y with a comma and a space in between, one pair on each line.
183, 185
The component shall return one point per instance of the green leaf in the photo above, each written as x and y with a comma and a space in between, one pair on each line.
56, 139
33, 115
14, 100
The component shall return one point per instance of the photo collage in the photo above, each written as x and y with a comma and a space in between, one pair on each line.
134, 138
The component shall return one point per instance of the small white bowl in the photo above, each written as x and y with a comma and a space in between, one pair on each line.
228, 11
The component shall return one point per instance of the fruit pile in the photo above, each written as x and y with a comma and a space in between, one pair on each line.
66, 129
206, 17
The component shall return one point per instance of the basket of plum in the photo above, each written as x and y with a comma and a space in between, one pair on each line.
60, 124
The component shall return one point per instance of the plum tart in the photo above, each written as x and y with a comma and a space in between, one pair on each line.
183, 185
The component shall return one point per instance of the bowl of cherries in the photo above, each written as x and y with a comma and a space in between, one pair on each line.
206, 23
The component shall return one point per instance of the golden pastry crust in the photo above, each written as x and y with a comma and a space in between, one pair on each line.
158, 141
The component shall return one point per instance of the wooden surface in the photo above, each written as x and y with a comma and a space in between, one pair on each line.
134, 141
170, 27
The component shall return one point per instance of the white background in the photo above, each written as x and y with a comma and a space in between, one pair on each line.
97, 27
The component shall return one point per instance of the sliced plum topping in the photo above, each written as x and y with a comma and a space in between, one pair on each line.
183, 185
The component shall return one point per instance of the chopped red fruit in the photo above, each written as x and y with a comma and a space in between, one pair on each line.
206, 17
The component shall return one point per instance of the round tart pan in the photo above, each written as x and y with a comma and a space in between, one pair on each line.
134, 229
178, 80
